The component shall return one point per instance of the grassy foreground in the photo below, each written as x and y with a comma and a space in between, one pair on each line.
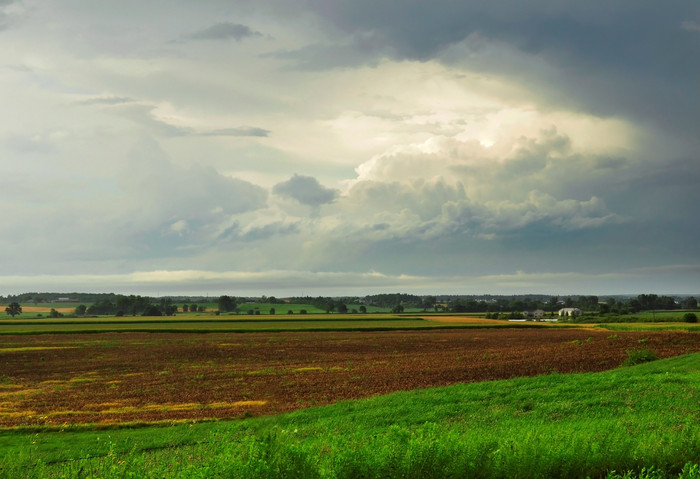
644, 420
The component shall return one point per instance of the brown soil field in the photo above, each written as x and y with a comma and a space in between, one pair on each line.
134, 377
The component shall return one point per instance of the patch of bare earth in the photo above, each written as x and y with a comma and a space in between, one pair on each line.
120, 377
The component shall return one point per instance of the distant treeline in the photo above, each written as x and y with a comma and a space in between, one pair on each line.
131, 305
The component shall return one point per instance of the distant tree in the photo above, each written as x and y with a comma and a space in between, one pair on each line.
152, 310
689, 303
185, 308
634, 305
429, 302
302, 311
201, 308
363, 309
167, 307
193, 308
690, 318
13, 309
55, 314
226, 304
397, 309
80, 310
341, 308
553, 303
272, 310
290, 312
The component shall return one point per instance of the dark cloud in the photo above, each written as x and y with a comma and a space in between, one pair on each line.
224, 31
355, 51
243, 131
306, 190
630, 58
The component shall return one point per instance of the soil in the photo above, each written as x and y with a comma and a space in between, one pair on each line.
133, 377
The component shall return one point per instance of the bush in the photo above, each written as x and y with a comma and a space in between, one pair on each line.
638, 356
690, 318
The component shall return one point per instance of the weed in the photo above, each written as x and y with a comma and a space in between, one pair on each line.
638, 356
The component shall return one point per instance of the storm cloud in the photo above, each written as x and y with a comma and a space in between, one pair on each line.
496, 146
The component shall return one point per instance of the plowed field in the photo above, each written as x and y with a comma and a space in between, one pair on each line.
124, 377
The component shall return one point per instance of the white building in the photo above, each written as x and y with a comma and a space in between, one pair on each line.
573, 312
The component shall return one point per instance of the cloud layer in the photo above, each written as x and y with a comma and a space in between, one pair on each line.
493, 147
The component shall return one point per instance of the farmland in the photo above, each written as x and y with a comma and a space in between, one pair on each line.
106, 378
64, 380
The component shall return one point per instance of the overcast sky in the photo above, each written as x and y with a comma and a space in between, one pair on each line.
321, 147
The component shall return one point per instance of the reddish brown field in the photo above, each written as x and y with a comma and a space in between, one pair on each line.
123, 377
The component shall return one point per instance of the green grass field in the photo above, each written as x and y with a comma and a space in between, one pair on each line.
644, 419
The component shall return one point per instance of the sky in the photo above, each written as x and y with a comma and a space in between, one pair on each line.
323, 147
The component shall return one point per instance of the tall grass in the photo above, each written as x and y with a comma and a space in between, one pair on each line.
641, 421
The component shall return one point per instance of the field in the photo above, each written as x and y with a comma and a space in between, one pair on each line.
62, 385
140, 377
208, 323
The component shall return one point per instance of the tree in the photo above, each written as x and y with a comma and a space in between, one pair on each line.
363, 309
80, 310
429, 302
341, 308
690, 318
152, 310
226, 304
193, 308
185, 308
55, 314
167, 307
689, 303
13, 309
397, 309
272, 311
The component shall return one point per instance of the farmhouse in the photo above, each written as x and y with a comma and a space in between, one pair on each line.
569, 312
537, 314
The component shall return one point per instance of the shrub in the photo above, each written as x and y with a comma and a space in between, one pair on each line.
638, 356
690, 318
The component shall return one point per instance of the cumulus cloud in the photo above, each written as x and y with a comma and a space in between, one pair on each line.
307, 191
225, 31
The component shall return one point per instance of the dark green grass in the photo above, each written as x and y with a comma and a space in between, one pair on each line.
244, 325
640, 317
650, 327
641, 419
